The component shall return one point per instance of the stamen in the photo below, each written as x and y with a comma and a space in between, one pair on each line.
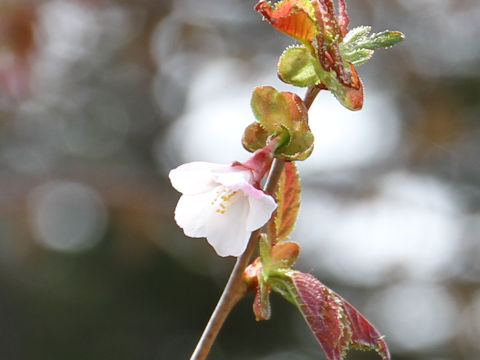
224, 196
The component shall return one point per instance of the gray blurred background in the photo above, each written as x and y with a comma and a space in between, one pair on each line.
100, 98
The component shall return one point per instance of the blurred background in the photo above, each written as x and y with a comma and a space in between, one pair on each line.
99, 99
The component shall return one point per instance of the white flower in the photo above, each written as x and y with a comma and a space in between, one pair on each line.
221, 203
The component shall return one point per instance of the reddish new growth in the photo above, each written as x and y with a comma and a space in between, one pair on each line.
336, 324
321, 30
315, 24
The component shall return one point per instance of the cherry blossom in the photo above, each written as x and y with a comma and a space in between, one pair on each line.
223, 203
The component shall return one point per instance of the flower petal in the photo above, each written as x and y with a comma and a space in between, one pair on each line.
227, 232
193, 213
252, 191
260, 211
238, 179
232, 177
195, 177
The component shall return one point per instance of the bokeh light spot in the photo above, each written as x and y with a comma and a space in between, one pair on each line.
67, 216
415, 316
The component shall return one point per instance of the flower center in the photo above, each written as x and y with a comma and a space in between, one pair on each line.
224, 196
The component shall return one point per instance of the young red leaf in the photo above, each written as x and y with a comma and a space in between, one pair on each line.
336, 324
329, 37
363, 331
293, 17
284, 254
288, 201
326, 20
343, 20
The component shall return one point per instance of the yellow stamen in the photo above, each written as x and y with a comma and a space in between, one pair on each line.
224, 196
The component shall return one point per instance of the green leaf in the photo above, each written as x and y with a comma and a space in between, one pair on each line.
355, 36
359, 56
279, 114
384, 39
357, 46
300, 147
297, 67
